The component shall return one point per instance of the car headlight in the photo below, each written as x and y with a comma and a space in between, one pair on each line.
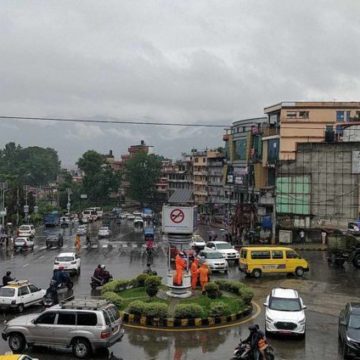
268, 318
302, 321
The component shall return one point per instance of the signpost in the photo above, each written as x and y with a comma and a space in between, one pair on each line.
179, 219
26, 212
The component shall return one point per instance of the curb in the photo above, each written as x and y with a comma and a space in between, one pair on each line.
174, 323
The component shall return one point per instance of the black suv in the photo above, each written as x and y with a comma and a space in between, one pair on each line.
349, 330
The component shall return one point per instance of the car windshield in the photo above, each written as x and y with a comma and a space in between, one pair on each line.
281, 304
213, 255
7, 292
223, 246
354, 321
64, 258
19, 240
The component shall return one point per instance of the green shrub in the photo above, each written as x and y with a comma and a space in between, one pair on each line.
212, 290
136, 307
241, 303
140, 280
188, 311
219, 309
158, 310
152, 284
115, 286
114, 298
246, 294
232, 286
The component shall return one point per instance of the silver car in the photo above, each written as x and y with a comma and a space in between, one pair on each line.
83, 325
214, 260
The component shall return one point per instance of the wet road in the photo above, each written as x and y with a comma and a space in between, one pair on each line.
324, 290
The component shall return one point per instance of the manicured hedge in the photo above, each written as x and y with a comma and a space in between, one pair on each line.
116, 285
238, 288
186, 311
153, 309
212, 290
114, 298
219, 309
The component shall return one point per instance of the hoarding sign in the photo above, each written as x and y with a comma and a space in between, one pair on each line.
179, 219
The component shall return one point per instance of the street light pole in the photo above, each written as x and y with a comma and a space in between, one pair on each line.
3, 188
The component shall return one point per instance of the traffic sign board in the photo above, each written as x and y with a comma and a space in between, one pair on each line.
26, 208
177, 216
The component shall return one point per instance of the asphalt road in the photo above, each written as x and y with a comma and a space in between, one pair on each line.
325, 290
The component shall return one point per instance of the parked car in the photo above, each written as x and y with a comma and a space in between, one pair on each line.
26, 230
123, 216
198, 243
20, 294
23, 243
55, 241
214, 260
256, 260
349, 330
130, 217
82, 325
81, 230
284, 313
224, 248
104, 232
70, 261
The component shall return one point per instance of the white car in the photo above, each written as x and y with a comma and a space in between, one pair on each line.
123, 216
137, 214
81, 230
26, 230
24, 243
226, 249
214, 260
130, 216
20, 294
104, 231
198, 242
69, 261
285, 313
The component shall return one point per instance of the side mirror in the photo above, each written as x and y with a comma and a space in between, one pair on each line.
304, 307
343, 323
265, 304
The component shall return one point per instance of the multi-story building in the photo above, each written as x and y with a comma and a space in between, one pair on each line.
180, 176
200, 173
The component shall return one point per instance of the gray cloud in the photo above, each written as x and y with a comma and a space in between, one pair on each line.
204, 61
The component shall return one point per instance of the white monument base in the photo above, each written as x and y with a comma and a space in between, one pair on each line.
182, 291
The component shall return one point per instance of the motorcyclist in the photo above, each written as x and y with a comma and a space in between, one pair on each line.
255, 338
104, 275
7, 278
60, 276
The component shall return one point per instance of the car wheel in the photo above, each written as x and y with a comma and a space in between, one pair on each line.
48, 245
256, 273
17, 342
299, 271
78, 271
20, 308
225, 272
81, 348
356, 261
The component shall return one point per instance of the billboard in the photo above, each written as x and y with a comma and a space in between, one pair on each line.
179, 219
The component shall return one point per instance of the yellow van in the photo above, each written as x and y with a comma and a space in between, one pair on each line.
16, 357
256, 260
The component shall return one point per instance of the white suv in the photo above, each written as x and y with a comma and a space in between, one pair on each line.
20, 294
223, 247
26, 230
284, 313
69, 261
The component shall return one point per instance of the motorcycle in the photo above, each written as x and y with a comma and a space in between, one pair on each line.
55, 293
96, 282
243, 351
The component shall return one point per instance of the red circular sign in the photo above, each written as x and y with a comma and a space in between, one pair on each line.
177, 216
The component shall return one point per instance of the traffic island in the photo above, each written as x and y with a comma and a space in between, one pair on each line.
224, 303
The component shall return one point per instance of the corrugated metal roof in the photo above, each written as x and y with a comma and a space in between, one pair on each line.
181, 196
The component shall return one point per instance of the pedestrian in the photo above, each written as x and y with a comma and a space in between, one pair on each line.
323, 237
77, 244
194, 273
302, 236
180, 265
204, 276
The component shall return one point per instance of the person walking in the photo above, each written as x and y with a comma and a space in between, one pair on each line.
180, 265
194, 273
204, 276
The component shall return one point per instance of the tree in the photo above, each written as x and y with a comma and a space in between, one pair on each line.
142, 172
100, 180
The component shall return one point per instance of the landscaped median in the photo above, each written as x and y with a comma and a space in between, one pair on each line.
143, 301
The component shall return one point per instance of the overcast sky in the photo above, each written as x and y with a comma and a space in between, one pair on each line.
201, 61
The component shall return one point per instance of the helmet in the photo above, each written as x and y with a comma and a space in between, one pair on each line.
254, 328
103, 267
8, 273
61, 267
182, 254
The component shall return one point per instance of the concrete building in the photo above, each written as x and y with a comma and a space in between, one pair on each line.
180, 176
319, 189
199, 162
305, 121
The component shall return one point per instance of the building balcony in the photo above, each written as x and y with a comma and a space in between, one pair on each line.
200, 173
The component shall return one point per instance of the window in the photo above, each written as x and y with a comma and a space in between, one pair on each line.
277, 254
340, 116
66, 318
7, 292
196, 160
204, 160
348, 115
87, 319
33, 288
260, 255
303, 114
291, 114
47, 318
107, 318
23, 291
291, 255
243, 254
240, 149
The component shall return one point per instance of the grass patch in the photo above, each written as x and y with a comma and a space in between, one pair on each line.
133, 293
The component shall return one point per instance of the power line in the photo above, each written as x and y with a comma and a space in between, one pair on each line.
127, 122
